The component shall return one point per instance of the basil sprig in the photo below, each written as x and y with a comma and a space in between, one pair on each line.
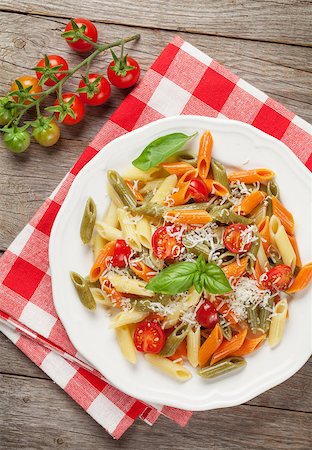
181, 276
161, 149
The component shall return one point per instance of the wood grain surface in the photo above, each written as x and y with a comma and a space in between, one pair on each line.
266, 42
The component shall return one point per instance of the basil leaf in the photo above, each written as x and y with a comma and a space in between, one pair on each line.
215, 280
197, 283
201, 263
173, 279
160, 150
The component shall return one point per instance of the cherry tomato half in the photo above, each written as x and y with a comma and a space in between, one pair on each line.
47, 69
77, 107
278, 278
99, 92
149, 337
164, 242
80, 45
27, 81
207, 315
124, 78
121, 253
233, 240
198, 190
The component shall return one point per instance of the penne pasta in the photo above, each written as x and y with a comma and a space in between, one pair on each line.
262, 258
249, 203
264, 231
127, 317
259, 213
252, 176
219, 173
144, 232
210, 346
110, 217
228, 348
129, 285
222, 367
204, 154
125, 342
185, 216
100, 297
138, 196
236, 269
136, 174
172, 369
164, 189
280, 238
88, 221
216, 188
178, 168
142, 270
302, 280
101, 262
108, 232
278, 321
284, 215
294, 245
193, 346
181, 197
83, 291
128, 228
98, 244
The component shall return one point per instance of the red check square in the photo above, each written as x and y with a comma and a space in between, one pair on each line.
128, 113
23, 278
166, 57
45, 223
213, 89
271, 122
83, 160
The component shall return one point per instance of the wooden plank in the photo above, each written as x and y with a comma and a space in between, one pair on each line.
283, 71
298, 387
284, 21
37, 414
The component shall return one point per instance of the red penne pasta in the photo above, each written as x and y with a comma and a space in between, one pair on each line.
302, 280
249, 202
204, 154
177, 168
100, 263
250, 345
216, 188
284, 215
252, 176
294, 245
210, 346
236, 269
264, 232
188, 216
228, 348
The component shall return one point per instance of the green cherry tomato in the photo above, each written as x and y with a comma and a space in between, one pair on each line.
16, 139
7, 113
47, 133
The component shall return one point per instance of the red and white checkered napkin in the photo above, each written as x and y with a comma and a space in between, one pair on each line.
26, 306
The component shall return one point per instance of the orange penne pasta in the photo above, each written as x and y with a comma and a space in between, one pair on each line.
294, 245
249, 202
115, 296
180, 351
302, 280
187, 176
181, 197
204, 154
257, 274
188, 216
225, 310
284, 215
210, 346
228, 348
137, 194
142, 270
177, 168
100, 263
250, 345
264, 231
252, 176
216, 188
236, 270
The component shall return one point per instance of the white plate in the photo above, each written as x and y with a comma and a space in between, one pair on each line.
236, 143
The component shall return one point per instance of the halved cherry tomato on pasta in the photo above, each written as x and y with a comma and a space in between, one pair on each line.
198, 190
149, 337
233, 238
207, 315
121, 254
278, 278
166, 243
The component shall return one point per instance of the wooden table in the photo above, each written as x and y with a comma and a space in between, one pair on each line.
266, 42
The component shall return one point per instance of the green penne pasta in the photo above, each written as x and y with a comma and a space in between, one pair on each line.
227, 216
174, 339
219, 173
202, 205
197, 249
123, 191
264, 315
150, 305
253, 318
225, 328
227, 257
151, 209
253, 252
92, 284
88, 221
188, 158
222, 367
83, 291
273, 189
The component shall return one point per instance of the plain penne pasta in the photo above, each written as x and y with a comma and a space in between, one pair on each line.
127, 317
100, 297
110, 217
259, 213
108, 232
164, 189
193, 346
125, 342
129, 285
98, 244
278, 322
128, 228
136, 174
262, 258
144, 232
279, 236
172, 369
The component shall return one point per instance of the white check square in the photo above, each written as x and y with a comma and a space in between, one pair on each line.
169, 99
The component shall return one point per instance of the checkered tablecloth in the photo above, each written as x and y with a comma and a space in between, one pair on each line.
182, 80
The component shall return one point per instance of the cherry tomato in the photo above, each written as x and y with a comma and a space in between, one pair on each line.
198, 190
46, 132
207, 315
16, 139
121, 253
120, 74
90, 31
47, 69
149, 337
164, 242
278, 278
26, 81
232, 238
76, 105
94, 92
7, 110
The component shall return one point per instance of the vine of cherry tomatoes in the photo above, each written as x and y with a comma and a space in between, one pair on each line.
69, 108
